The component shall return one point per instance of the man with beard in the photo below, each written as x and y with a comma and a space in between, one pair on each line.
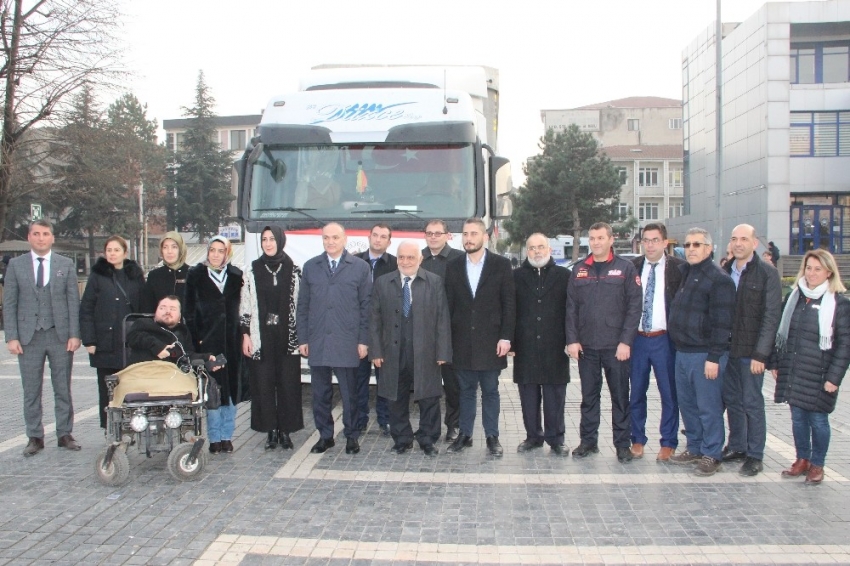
163, 337
541, 365
482, 305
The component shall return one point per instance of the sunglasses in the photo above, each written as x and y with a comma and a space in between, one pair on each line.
694, 245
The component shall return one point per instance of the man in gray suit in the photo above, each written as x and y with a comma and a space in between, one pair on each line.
333, 332
41, 314
410, 339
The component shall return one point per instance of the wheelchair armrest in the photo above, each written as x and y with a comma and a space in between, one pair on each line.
111, 382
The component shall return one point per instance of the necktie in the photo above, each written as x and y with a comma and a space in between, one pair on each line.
39, 277
405, 297
333, 266
374, 261
646, 321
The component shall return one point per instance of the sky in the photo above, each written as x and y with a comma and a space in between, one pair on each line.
550, 53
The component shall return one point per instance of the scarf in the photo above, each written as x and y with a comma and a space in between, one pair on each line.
218, 275
181, 258
280, 238
826, 312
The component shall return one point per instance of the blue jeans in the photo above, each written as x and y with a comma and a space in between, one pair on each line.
701, 403
221, 423
744, 408
811, 434
469, 381
655, 353
382, 408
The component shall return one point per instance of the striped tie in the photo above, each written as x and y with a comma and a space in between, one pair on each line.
405, 297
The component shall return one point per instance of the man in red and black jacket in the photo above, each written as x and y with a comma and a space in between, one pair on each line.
604, 299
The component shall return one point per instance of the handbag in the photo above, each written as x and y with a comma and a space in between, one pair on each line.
213, 401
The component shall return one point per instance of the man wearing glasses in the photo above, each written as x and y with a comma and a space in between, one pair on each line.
652, 348
434, 259
700, 325
603, 311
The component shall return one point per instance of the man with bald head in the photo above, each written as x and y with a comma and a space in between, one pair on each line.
410, 338
758, 306
333, 332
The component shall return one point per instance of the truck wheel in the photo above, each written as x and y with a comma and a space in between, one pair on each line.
179, 466
118, 470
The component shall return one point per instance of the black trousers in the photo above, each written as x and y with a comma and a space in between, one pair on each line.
590, 366
429, 415
451, 388
102, 393
275, 383
553, 398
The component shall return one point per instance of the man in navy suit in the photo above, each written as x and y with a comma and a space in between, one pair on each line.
482, 306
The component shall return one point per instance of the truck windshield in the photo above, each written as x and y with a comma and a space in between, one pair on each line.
361, 181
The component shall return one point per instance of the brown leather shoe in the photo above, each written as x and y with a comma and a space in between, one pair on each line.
69, 443
665, 454
797, 469
815, 475
34, 446
637, 450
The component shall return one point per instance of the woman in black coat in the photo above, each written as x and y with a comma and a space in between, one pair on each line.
112, 292
812, 354
170, 277
212, 314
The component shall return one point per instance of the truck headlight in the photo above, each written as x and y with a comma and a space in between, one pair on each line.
139, 421
173, 419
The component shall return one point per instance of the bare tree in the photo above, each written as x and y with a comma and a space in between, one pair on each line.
50, 49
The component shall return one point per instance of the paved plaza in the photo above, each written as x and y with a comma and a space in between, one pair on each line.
293, 507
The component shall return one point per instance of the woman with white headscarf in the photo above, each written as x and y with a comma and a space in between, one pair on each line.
212, 314
811, 356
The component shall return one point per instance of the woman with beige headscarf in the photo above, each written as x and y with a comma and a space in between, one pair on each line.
170, 277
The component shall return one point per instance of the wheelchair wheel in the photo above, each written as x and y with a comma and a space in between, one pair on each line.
118, 470
178, 463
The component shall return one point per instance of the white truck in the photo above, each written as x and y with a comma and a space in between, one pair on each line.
362, 145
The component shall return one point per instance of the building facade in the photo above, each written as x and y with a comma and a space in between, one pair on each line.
786, 127
643, 137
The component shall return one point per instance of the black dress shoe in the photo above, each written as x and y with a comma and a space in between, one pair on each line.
215, 447
451, 434
68, 443
462, 441
527, 445
352, 446
493, 446
285, 441
732, 455
271, 443
624, 454
751, 467
34, 446
429, 450
385, 429
322, 445
227, 447
401, 448
583, 450
560, 450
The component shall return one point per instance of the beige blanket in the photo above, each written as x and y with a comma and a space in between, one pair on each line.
157, 379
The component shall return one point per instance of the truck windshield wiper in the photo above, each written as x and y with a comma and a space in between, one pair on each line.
389, 211
301, 211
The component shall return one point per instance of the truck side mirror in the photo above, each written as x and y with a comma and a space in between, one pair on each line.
501, 184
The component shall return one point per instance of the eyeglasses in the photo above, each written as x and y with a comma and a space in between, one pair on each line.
651, 241
435, 234
694, 245
536, 248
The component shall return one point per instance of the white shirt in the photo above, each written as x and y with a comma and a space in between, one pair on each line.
473, 272
659, 306
46, 264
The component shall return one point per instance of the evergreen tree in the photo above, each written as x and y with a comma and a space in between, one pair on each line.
567, 188
202, 170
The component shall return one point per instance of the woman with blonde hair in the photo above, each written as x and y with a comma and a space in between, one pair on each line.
811, 355
169, 278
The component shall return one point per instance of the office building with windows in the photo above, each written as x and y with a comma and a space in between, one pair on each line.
642, 136
786, 127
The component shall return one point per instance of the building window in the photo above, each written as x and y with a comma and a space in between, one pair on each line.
820, 134
169, 141
237, 139
622, 211
674, 177
648, 211
818, 63
674, 123
624, 175
676, 210
634, 125
648, 177
179, 139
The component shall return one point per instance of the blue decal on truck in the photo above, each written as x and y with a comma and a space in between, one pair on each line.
357, 112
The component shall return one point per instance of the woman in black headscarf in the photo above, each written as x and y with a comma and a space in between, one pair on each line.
268, 337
